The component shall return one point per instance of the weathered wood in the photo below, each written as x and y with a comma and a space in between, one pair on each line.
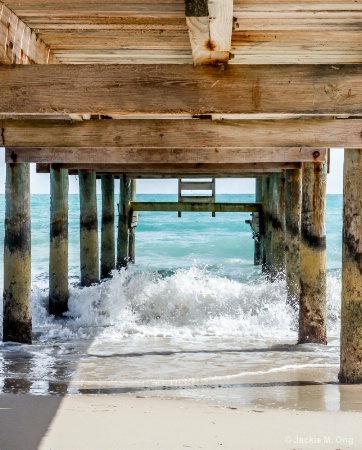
139, 32
132, 226
107, 230
196, 8
123, 224
266, 228
58, 256
195, 207
19, 44
258, 248
351, 313
312, 310
276, 266
17, 323
177, 170
196, 199
160, 133
181, 89
89, 253
293, 207
210, 27
322, 43
196, 185
215, 155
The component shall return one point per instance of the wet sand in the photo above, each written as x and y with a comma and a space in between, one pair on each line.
133, 422
270, 415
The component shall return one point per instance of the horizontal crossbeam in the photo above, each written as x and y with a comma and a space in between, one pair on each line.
181, 89
177, 170
215, 155
290, 133
195, 207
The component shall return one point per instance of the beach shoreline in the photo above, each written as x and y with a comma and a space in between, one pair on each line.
137, 422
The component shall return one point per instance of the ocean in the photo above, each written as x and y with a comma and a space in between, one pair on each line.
193, 318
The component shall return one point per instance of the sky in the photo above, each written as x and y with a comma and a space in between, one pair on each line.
39, 183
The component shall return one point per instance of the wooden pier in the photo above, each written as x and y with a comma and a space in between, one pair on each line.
163, 89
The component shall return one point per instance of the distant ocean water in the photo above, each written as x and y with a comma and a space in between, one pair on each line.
192, 311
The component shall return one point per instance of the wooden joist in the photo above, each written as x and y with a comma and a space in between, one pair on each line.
195, 207
181, 89
110, 155
176, 170
163, 133
19, 44
140, 31
210, 25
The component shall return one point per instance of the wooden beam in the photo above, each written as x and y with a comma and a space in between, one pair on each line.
210, 25
195, 207
181, 89
176, 171
304, 132
19, 44
251, 156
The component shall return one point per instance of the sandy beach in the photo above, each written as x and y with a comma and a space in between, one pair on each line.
126, 421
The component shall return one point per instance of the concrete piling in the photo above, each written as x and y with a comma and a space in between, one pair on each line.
17, 322
58, 256
312, 311
351, 313
89, 253
107, 230
293, 207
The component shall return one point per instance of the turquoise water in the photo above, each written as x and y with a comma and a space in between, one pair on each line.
166, 242
192, 311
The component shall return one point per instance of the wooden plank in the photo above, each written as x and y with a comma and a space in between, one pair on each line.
196, 199
181, 89
110, 155
176, 171
327, 46
188, 133
195, 207
196, 185
19, 44
182, 133
139, 31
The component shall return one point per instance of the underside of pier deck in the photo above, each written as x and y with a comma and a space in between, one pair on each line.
176, 88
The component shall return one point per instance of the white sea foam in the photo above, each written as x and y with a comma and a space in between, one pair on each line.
188, 302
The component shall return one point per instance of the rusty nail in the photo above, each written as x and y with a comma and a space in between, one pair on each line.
316, 154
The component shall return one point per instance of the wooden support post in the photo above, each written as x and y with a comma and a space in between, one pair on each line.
312, 311
266, 229
58, 256
123, 222
107, 233
89, 254
258, 248
293, 207
132, 231
277, 225
17, 323
351, 316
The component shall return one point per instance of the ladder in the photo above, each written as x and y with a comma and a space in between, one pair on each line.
195, 185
